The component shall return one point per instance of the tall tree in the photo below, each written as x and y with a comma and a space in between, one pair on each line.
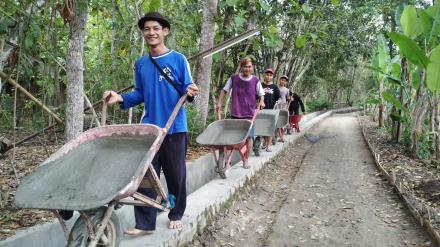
203, 76
75, 69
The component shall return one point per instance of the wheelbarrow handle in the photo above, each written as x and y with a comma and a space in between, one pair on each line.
175, 111
257, 110
219, 114
104, 109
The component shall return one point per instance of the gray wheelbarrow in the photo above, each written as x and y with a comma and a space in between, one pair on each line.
266, 122
95, 173
227, 136
282, 121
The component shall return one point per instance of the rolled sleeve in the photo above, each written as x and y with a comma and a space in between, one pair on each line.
228, 85
260, 90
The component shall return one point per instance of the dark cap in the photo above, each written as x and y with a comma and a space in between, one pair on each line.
284, 77
268, 70
153, 16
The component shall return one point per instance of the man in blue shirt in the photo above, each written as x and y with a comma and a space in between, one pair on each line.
159, 98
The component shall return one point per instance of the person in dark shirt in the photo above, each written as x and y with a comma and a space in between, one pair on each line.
271, 91
294, 118
295, 104
271, 96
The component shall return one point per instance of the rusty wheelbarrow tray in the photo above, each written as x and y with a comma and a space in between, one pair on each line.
225, 136
94, 173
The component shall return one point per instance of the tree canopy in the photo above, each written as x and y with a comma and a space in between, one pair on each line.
333, 51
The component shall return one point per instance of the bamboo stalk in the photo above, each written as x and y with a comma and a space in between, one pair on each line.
89, 105
30, 96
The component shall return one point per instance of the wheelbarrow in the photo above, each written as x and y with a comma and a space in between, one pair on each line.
294, 122
266, 122
95, 173
225, 136
283, 116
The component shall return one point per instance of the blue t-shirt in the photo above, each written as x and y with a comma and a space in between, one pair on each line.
157, 94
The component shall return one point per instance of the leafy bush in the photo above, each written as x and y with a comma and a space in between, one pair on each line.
6, 101
318, 105
425, 143
194, 124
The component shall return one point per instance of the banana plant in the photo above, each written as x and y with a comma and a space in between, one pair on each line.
420, 54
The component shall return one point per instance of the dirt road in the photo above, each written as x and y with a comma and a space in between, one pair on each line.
326, 193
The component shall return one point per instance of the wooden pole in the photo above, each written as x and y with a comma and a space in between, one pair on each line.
89, 105
5, 77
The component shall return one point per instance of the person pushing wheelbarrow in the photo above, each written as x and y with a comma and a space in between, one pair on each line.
162, 77
246, 89
294, 106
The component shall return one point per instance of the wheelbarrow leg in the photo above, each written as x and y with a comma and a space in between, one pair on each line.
219, 160
155, 183
62, 223
227, 157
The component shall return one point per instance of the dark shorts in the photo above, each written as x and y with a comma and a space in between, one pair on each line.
252, 131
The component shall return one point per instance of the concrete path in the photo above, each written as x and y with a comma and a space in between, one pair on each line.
333, 195
338, 199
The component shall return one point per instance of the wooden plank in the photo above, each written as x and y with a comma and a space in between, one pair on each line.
149, 201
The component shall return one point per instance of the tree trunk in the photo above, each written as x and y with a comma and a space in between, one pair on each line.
404, 77
418, 127
74, 71
381, 105
203, 76
437, 127
418, 115
301, 72
2, 44
399, 123
58, 98
228, 13
141, 52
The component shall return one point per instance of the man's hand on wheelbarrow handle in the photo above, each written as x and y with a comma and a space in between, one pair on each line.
111, 97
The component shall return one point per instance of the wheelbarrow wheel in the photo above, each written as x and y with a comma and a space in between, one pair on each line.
221, 166
79, 236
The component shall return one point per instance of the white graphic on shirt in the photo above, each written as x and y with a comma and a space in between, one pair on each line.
268, 90
167, 71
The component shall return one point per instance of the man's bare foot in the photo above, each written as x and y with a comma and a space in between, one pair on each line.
175, 224
246, 164
138, 232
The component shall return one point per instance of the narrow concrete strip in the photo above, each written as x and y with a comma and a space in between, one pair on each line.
204, 202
